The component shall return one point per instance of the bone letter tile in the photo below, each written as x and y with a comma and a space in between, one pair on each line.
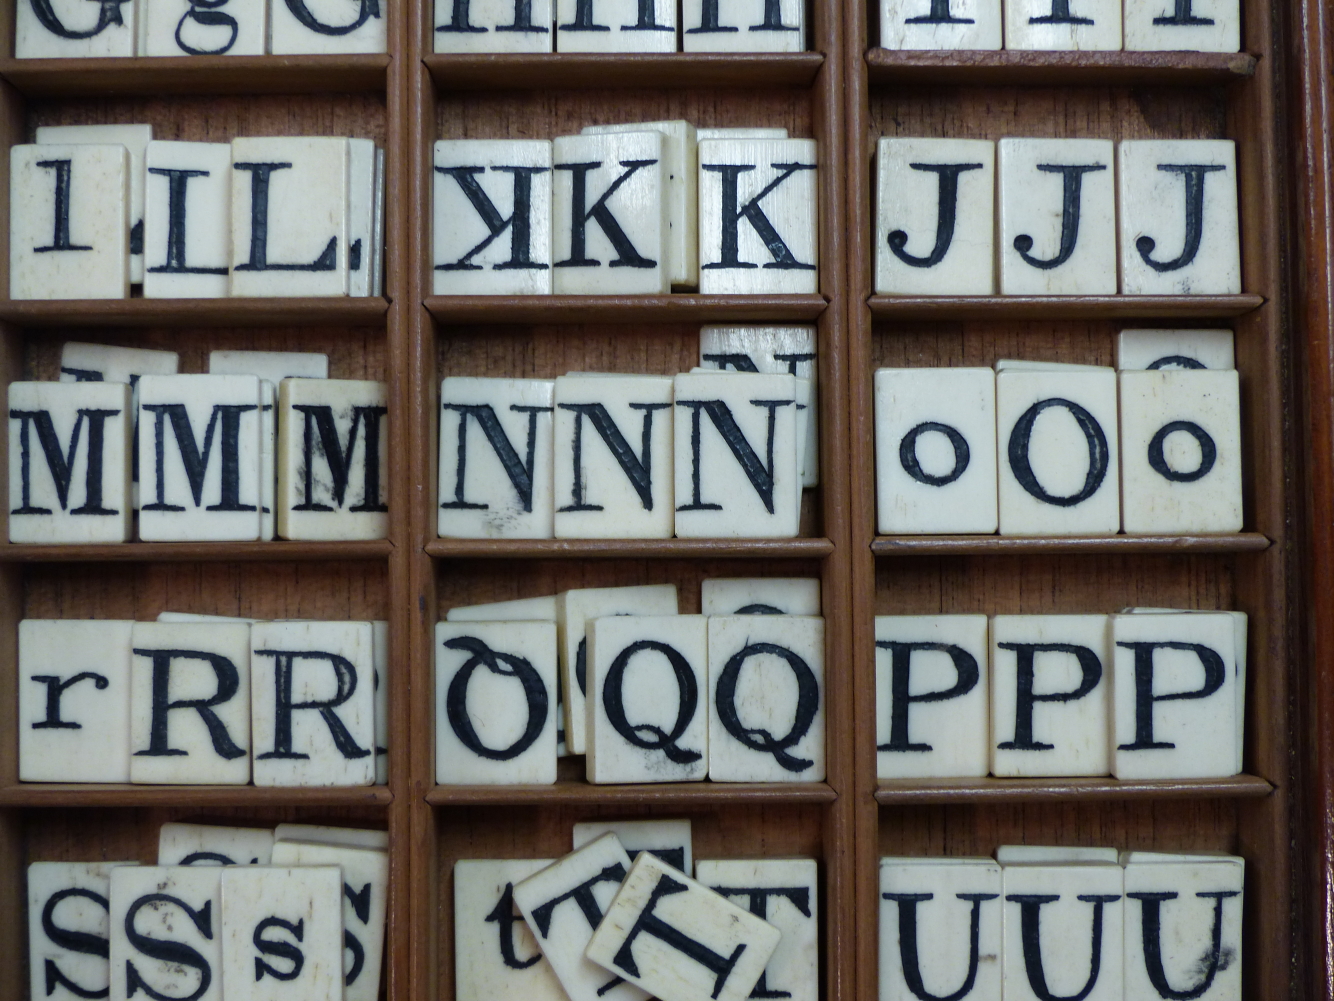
563, 904
204, 844
190, 691
760, 596
1180, 452
610, 214
493, 26
187, 219
1178, 217
931, 695
574, 609
743, 26
928, 24
757, 216
541, 609
199, 457
657, 909
1018, 854
275, 366
1057, 444
935, 216
784, 892
667, 839
495, 954
935, 438
647, 704
613, 457
1050, 699
1173, 350
361, 194
176, 28
333, 459
615, 26
1198, 26
289, 214
69, 462
313, 703
940, 928
744, 133
155, 905
327, 27
106, 31
268, 459
69, 222
766, 698
380, 659
491, 217
74, 700
1057, 216
496, 703
69, 928
350, 837
1080, 25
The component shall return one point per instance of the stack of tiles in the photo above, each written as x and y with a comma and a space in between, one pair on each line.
1150, 693
1039, 448
640, 208
263, 446
203, 700
618, 917
735, 694
1038, 923
97, 209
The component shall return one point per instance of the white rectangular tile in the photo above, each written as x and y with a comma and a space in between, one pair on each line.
187, 218
1190, 26
380, 659
360, 214
166, 931
495, 954
318, 834
493, 26
667, 839
496, 458
179, 28
268, 460
1173, 350
190, 692
760, 596
757, 216
195, 617
69, 928
541, 609
378, 227
206, 844
1079, 25
107, 31
327, 27
1029, 854
764, 132
615, 26
746, 26
275, 366
931, 24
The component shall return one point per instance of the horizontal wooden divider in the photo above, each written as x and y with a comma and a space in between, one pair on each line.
349, 311
610, 549
902, 792
625, 308
667, 794
199, 552
37, 794
1013, 67
1061, 307
578, 70
1021, 545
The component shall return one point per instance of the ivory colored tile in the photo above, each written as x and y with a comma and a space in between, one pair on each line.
268, 459
327, 27
282, 932
190, 692
777, 349
1050, 695
1062, 932
615, 26
766, 698
1057, 214
313, 703
760, 596
491, 217
1080, 25
349, 837
1031, 854
200, 457
1056, 436
377, 227
1187, 662
613, 457
69, 222
74, 700
610, 204
204, 844
930, 24
290, 211
77, 30
935, 445
178, 28
69, 928
748, 26
783, 892
187, 217
360, 214
657, 911
194, 617
69, 462
275, 366
155, 905
496, 458
1193, 26
493, 26
741, 133
647, 708
380, 659
1027, 365
333, 459
541, 609
495, 954
935, 215
1178, 217
757, 216
495, 726
667, 839
574, 609
1174, 349
365, 896
932, 689
564, 903
1180, 452
736, 456
680, 161
1183, 928
940, 928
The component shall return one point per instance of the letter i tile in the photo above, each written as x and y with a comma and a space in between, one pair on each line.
496, 692
1182, 26
495, 954
680, 941
69, 927
940, 24
167, 931
187, 220
746, 26
1078, 25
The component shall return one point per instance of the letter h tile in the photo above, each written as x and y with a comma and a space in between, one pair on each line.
493, 26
